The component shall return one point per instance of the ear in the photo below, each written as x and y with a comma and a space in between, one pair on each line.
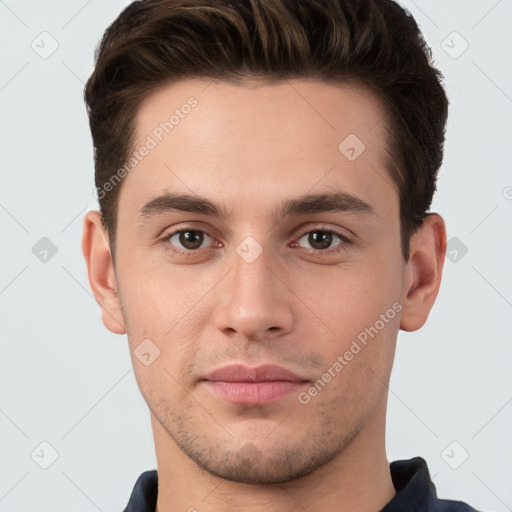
96, 251
423, 271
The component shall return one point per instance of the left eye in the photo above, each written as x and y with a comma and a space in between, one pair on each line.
321, 240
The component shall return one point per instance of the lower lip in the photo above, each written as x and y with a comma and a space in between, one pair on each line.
254, 393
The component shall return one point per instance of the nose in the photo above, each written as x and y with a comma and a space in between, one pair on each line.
254, 300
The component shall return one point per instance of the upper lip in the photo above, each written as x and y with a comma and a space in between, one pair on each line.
242, 373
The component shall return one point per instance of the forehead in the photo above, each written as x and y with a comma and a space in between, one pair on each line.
260, 140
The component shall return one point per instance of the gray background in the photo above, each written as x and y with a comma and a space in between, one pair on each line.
67, 381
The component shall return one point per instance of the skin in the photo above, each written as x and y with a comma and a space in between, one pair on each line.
248, 148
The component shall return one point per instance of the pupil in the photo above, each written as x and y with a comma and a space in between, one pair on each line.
320, 239
191, 239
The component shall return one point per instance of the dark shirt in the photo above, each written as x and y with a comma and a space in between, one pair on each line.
411, 479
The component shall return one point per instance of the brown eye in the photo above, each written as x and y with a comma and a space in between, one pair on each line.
188, 239
320, 240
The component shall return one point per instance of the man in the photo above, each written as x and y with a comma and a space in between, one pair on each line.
265, 170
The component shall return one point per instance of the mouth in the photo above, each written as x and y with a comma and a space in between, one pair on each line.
261, 385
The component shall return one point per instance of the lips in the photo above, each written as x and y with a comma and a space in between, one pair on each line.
262, 385
265, 373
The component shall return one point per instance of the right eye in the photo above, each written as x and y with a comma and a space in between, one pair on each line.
186, 241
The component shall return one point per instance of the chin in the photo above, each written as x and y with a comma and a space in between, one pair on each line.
253, 465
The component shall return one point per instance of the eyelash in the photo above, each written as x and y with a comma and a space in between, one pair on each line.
343, 246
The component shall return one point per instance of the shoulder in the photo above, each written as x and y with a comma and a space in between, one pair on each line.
416, 492
144, 494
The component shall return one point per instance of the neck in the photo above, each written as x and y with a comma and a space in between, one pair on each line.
358, 479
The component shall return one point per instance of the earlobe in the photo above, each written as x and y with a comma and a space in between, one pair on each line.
423, 272
96, 251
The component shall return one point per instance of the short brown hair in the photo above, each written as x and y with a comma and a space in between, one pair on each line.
371, 42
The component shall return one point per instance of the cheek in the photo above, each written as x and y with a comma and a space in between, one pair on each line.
160, 385
167, 310
357, 360
359, 304
352, 297
158, 295
162, 320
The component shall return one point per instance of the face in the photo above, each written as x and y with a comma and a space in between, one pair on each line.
286, 252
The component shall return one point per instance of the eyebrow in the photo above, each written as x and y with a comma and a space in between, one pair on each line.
306, 204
